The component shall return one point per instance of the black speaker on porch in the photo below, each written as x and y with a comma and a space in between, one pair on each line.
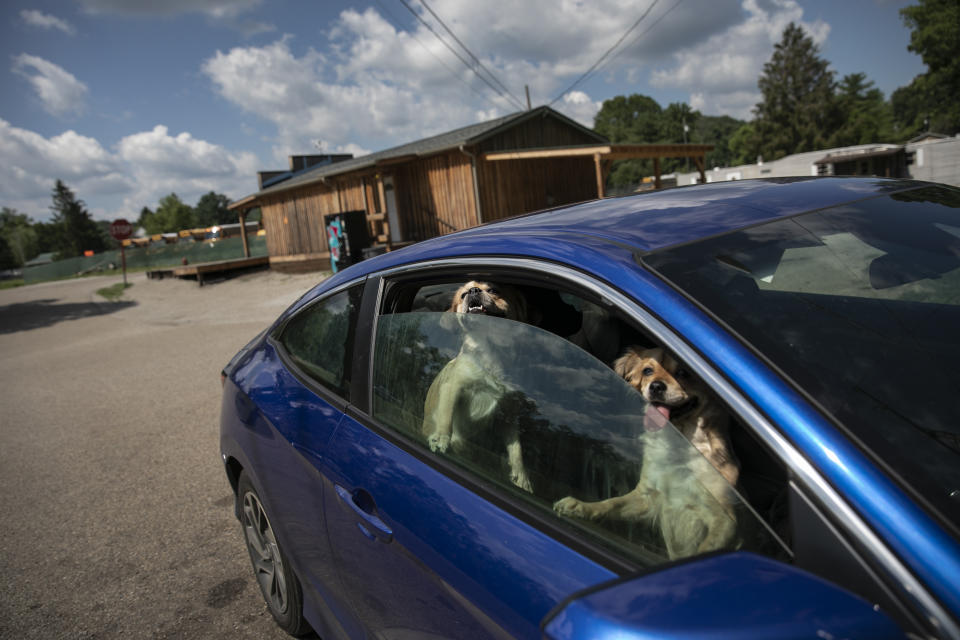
347, 237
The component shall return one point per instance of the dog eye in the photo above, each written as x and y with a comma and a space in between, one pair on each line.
648, 371
492, 291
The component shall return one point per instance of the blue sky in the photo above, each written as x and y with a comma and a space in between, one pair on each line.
127, 101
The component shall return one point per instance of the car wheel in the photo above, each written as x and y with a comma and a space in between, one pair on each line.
276, 579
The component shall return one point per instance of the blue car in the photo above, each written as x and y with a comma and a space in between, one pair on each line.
726, 411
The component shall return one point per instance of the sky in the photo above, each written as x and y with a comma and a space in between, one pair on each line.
127, 101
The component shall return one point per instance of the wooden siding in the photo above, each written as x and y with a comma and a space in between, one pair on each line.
512, 187
544, 131
435, 195
293, 220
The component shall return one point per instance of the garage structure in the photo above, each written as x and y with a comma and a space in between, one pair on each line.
488, 171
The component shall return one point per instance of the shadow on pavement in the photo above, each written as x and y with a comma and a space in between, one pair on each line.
37, 314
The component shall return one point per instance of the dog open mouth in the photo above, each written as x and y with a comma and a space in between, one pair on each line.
658, 415
477, 307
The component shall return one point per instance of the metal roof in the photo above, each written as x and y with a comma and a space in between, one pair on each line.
859, 154
471, 134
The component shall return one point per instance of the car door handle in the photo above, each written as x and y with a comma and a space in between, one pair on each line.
362, 503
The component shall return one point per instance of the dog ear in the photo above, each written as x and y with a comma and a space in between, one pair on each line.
624, 363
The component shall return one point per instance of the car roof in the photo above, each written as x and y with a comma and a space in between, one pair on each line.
651, 221
613, 230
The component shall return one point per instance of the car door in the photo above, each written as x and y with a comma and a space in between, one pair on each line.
434, 542
303, 391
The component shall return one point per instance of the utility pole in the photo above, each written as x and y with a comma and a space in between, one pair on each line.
527, 87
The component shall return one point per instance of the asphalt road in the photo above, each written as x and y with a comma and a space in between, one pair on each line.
115, 514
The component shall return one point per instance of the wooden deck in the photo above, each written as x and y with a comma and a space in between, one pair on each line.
203, 269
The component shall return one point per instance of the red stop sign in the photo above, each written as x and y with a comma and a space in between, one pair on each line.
120, 229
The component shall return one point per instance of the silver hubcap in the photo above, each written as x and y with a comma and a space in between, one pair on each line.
262, 545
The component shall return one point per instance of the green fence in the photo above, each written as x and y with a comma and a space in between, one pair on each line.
156, 256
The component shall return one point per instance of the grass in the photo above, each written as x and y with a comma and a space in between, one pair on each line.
114, 292
10, 284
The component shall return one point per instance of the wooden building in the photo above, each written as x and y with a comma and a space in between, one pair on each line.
512, 165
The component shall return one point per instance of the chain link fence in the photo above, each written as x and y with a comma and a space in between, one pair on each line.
155, 256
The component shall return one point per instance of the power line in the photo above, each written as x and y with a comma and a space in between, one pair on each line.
465, 48
604, 56
459, 57
645, 31
438, 58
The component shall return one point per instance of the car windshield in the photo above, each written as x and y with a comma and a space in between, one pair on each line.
860, 306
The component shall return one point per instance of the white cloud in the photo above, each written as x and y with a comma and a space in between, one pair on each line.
42, 20
721, 72
224, 13
581, 108
60, 93
364, 108
145, 167
32, 164
213, 8
160, 163
375, 85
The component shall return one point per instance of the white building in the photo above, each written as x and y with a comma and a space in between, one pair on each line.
929, 157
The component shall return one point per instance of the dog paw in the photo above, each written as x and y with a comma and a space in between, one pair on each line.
439, 443
569, 506
522, 481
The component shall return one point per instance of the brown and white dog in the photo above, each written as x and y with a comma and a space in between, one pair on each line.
686, 491
464, 397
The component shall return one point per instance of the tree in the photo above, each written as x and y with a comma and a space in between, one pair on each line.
172, 215
867, 117
716, 130
16, 230
745, 145
798, 112
929, 102
676, 123
7, 259
212, 209
634, 118
76, 231
147, 222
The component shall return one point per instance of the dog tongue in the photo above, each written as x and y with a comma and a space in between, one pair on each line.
656, 417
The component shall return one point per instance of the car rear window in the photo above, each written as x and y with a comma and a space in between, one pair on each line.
860, 306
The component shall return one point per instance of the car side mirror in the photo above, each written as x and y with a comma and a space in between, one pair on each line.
733, 595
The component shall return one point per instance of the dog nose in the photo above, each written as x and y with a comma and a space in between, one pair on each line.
657, 388
475, 291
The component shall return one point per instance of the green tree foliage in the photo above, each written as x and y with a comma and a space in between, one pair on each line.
798, 111
17, 232
171, 216
212, 209
7, 260
75, 230
930, 102
716, 130
639, 119
634, 118
744, 144
867, 117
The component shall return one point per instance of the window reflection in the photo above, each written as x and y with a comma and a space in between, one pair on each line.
535, 414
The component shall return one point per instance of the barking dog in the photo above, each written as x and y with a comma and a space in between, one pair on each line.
687, 491
464, 397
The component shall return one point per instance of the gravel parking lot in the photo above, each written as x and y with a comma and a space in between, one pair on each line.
116, 514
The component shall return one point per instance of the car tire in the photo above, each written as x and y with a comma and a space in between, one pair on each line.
273, 572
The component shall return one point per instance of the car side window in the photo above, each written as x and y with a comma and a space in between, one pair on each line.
548, 415
318, 339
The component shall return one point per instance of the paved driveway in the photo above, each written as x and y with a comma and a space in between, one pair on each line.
115, 513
